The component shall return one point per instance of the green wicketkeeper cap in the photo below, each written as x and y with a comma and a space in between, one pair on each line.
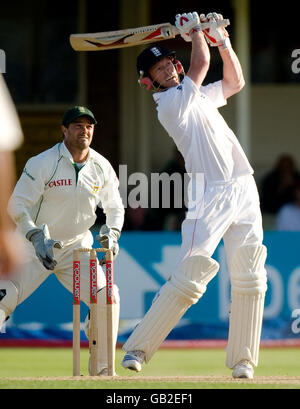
73, 113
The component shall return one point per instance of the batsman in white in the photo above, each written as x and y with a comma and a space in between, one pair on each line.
229, 208
53, 205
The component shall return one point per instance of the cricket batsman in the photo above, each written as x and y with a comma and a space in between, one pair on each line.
53, 205
230, 206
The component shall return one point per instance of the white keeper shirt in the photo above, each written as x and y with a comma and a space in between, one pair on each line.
52, 190
190, 116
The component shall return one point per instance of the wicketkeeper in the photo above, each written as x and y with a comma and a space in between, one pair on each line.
54, 204
230, 207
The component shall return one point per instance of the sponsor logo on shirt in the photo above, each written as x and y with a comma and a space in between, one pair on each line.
95, 189
60, 182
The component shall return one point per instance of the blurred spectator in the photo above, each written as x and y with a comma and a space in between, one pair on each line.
277, 186
171, 217
288, 217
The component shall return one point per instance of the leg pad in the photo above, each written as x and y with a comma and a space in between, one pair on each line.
183, 289
248, 287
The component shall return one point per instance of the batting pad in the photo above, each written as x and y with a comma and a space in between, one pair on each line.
102, 326
248, 287
183, 289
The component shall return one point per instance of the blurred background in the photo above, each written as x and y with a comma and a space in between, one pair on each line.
46, 76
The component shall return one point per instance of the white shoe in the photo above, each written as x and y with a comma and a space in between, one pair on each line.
243, 369
133, 360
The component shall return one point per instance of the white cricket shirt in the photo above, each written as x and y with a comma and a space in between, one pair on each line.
52, 190
190, 116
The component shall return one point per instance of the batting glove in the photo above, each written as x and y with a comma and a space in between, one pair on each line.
108, 238
187, 24
43, 245
215, 35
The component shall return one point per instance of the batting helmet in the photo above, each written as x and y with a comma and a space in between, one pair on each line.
149, 57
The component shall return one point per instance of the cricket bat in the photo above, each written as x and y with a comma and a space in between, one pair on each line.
129, 37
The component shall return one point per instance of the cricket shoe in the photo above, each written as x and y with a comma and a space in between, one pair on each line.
133, 360
243, 369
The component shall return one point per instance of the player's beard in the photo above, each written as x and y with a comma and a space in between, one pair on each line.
77, 143
83, 141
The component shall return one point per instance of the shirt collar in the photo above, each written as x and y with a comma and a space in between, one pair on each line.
157, 95
66, 153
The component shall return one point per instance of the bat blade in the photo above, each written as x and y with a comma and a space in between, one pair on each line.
122, 38
128, 37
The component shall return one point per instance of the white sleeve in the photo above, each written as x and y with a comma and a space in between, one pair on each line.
27, 194
11, 135
214, 92
111, 201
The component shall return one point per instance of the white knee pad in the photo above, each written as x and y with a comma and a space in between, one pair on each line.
184, 288
191, 279
248, 286
102, 325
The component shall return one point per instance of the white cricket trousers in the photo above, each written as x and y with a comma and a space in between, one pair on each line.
230, 210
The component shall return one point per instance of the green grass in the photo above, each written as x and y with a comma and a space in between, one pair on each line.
57, 362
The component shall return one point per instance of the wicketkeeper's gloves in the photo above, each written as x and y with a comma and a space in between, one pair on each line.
43, 245
108, 238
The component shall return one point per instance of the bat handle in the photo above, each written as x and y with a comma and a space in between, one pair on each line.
220, 23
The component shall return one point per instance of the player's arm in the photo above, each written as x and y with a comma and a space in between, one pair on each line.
113, 208
111, 201
190, 30
200, 59
27, 193
233, 79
